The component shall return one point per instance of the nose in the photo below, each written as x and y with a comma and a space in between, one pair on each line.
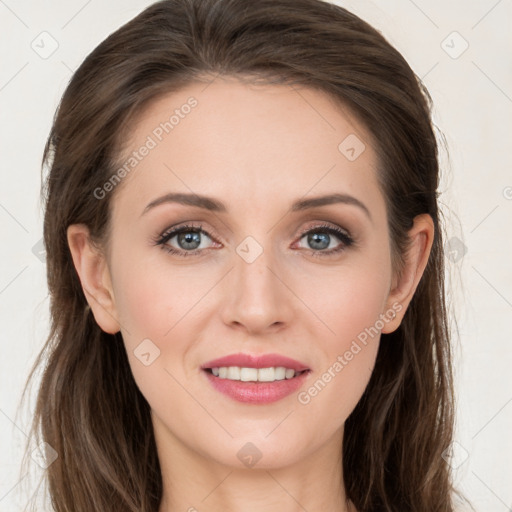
258, 299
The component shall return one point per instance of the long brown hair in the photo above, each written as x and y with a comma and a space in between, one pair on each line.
89, 409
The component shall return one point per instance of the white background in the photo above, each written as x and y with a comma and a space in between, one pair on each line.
473, 108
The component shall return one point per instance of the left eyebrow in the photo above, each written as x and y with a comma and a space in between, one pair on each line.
314, 202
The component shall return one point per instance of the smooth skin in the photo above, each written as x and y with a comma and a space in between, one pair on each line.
257, 149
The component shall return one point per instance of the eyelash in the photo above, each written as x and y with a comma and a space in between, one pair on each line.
343, 236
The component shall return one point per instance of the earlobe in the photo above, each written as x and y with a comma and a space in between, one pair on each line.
94, 275
421, 238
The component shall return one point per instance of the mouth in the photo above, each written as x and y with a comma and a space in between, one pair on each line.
256, 379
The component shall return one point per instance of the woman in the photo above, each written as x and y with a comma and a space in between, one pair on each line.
288, 348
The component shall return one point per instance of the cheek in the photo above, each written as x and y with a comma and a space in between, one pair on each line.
154, 296
350, 303
337, 385
163, 304
347, 298
152, 305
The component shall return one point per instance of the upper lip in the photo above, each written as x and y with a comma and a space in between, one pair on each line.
256, 361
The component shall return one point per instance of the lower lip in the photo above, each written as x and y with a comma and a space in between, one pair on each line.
257, 392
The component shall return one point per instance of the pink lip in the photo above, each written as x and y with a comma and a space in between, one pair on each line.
249, 361
257, 392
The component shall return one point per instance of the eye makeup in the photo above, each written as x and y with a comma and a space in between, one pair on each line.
164, 238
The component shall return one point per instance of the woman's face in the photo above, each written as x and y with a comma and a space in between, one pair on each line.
245, 277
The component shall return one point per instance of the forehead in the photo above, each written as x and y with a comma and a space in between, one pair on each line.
238, 141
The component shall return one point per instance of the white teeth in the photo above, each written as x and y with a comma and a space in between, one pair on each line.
234, 373
266, 374
289, 373
248, 374
280, 373
254, 374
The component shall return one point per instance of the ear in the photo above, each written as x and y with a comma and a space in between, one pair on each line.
421, 237
91, 266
